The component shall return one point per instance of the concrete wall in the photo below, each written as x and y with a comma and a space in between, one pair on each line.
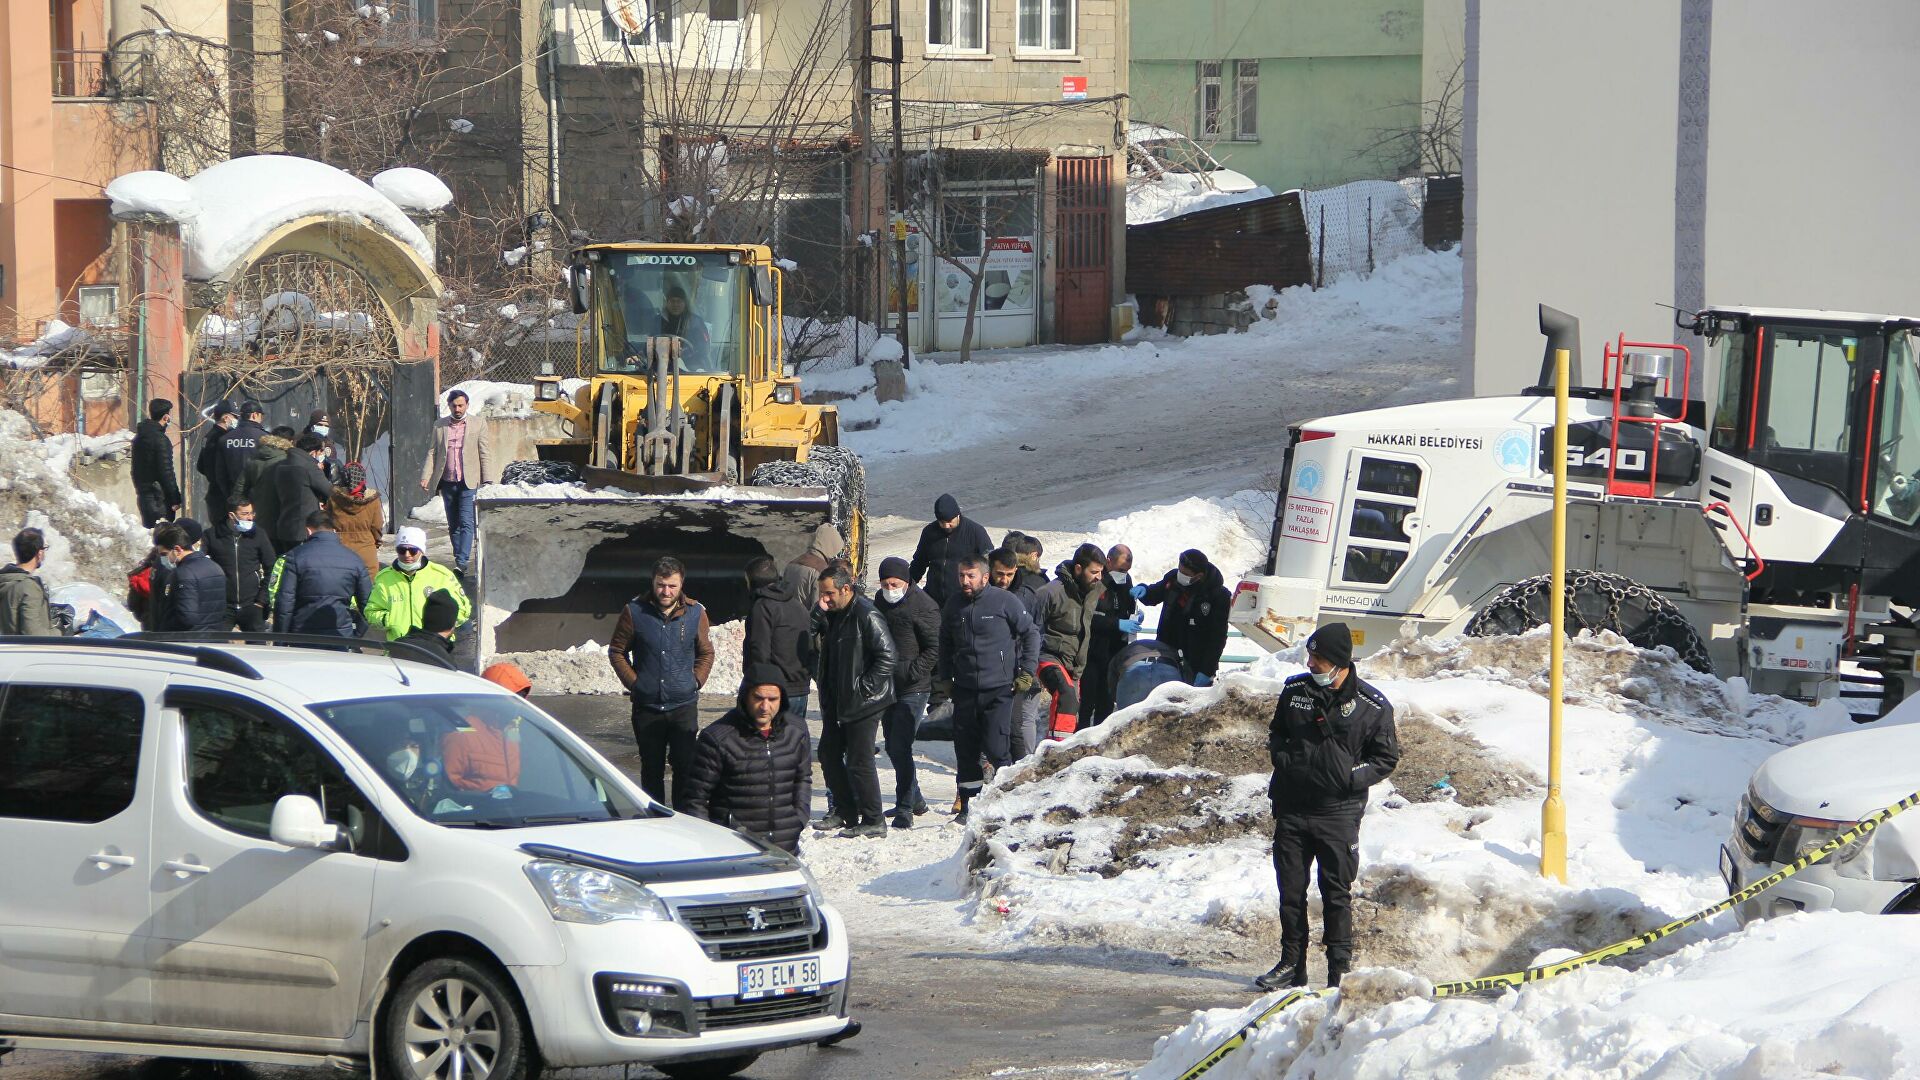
1570, 177
1333, 77
1750, 153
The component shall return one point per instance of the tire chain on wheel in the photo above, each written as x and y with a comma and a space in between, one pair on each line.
835, 468
1594, 602
540, 472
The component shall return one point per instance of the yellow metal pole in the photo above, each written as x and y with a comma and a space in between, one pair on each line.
1553, 813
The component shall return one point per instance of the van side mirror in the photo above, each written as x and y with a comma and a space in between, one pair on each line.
298, 822
763, 286
579, 280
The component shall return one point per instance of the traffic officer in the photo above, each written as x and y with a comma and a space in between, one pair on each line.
1331, 739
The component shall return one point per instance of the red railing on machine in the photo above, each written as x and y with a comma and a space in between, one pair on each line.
1613, 362
1759, 564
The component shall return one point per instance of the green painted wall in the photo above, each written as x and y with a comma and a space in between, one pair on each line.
1334, 76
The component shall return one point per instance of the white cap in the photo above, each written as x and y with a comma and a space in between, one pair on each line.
412, 536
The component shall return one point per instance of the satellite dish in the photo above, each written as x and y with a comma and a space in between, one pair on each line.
629, 15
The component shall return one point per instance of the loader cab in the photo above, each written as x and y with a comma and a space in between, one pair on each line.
1828, 398
1828, 404
706, 298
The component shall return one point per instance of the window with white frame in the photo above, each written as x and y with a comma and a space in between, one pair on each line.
1046, 25
1210, 97
1246, 100
657, 29
956, 26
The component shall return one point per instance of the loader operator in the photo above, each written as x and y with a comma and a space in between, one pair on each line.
1331, 739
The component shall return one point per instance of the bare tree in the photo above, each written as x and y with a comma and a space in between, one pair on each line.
1431, 147
966, 205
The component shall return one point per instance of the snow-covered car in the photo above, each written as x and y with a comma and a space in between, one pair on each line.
1806, 795
1154, 152
279, 854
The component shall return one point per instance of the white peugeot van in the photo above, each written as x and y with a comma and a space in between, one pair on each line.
277, 854
1806, 795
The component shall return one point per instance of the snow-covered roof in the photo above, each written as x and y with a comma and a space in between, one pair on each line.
225, 210
150, 191
413, 189
1141, 131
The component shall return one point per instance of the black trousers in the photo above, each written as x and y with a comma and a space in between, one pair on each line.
982, 725
665, 738
846, 757
1096, 693
1328, 840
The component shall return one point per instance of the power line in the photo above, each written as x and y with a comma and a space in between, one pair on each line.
51, 176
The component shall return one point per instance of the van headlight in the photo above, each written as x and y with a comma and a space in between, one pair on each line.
1803, 836
580, 894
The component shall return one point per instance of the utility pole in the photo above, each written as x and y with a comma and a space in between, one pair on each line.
895, 60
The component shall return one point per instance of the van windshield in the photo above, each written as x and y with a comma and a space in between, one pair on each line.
479, 760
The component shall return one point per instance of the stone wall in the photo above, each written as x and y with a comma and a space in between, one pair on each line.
1220, 313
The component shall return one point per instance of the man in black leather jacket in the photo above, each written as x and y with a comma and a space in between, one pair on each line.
1331, 739
857, 658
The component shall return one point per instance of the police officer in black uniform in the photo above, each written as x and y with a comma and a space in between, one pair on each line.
1331, 739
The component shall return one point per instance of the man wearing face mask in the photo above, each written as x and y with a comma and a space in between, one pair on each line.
245, 556
914, 620
1331, 739
1116, 606
209, 463
1194, 617
197, 594
403, 588
418, 779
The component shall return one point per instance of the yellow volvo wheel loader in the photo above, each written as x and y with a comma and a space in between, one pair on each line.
679, 396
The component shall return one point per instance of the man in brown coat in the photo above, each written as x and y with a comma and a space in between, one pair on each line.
461, 459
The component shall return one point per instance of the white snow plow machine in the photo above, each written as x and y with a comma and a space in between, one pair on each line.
1771, 533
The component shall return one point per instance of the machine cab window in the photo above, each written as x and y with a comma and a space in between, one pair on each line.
1896, 465
695, 297
1810, 382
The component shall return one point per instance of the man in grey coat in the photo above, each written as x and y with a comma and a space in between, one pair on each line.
23, 598
1065, 609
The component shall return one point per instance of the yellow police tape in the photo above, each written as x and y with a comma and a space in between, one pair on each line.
1621, 948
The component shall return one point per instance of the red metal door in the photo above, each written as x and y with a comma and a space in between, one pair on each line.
1083, 187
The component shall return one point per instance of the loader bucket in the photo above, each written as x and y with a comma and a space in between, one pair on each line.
556, 572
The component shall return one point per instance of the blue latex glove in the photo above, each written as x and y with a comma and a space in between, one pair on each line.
1129, 626
502, 791
1139, 592
1201, 678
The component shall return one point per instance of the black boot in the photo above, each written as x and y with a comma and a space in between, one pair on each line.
831, 823
1337, 968
868, 829
1290, 972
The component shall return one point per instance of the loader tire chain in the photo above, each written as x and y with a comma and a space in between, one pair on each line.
1596, 601
835, 468
540, 472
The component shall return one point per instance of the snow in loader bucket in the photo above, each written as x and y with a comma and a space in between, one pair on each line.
557, 562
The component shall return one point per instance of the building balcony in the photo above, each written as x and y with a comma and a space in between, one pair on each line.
97, 75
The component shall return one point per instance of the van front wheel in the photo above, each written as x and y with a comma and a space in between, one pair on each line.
453, 1018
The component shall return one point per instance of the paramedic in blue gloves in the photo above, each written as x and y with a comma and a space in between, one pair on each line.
1193, 604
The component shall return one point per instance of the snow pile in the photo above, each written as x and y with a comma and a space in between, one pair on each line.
230, 207
415, 190
952, 405
584, 669
1804, 996
1151, 831
89, 540
57, 338
1175, 195
505, 400
816, 346
1231, 531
